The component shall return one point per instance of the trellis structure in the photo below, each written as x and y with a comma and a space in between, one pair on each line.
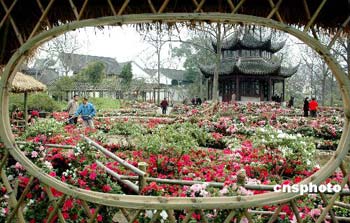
25, 24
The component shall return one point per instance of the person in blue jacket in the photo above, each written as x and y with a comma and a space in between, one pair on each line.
87, 111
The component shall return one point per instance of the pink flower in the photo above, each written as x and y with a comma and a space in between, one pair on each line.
92, 175
18, 166
34, 154
315, 212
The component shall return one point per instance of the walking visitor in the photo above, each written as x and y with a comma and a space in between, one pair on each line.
313, 107
87, 112
164, 105
306, 107
72, 108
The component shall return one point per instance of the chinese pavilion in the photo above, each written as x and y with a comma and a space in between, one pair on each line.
249, 71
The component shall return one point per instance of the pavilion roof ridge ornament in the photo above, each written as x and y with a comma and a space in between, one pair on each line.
248, 41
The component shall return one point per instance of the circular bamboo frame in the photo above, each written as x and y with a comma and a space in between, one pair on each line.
174, 203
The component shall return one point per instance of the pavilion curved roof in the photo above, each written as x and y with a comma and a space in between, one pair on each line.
249, 42
249, 66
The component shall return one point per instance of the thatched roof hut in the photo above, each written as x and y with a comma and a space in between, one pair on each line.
26, 13
23, 83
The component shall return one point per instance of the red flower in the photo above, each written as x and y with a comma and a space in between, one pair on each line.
65, 215
68, 204
106, 188
92, 175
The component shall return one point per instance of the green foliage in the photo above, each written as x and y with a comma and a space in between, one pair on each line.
179, 137
93, 73
46, 127
58, 88
126, 75
105, 104
40, 101
127, 128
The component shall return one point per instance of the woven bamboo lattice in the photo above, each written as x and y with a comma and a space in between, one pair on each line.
26, 24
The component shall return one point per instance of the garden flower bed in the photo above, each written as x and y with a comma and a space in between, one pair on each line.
267, 144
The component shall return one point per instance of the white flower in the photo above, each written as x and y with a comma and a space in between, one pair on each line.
48, 165
164, 215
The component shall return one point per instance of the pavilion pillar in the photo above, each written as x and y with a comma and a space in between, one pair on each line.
269, 90
273, 87
238, 97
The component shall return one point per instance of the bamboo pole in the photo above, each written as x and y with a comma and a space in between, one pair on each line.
171, 216
7, 13
152, 6
113, 156
112, 7
275, 10
230, 3
203, 216
128, 183
125, 213
86, 208
199, 6
20, 200
341, 204
42, 17
241, 2
230, 216
14, 26
56, 207
332, 200
135, 216
314, 16
47, 145
188, 216
164, 5
42, 11
155, 216
340, 30
74, 8
295, 211
94, 216
12, 200
122, 9
142, 181
82, 9
324, 199
55, 204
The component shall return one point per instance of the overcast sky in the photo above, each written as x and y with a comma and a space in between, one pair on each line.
126, 44
123, 44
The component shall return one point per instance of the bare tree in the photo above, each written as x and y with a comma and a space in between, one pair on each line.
67, 43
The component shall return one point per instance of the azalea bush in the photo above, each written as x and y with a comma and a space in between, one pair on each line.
47, 127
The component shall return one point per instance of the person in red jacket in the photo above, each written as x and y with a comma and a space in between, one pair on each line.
164, 104
313, 107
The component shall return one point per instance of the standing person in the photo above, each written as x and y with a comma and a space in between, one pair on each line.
164, 104
193, 101
313, 107
291, 102
87, 112
306, 107
72, 108
198, 101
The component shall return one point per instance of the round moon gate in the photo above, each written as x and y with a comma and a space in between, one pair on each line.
170, 204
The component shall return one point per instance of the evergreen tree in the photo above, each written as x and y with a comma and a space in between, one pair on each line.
126, 75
